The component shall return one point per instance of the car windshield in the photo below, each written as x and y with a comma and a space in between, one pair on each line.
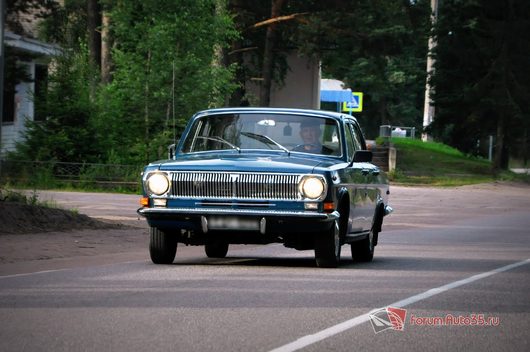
282, 132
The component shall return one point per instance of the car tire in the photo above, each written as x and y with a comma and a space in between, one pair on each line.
216, 248
327, 247
363, 251
162, 246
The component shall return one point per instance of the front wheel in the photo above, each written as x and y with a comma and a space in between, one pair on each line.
363, 251
162, 246
327, 247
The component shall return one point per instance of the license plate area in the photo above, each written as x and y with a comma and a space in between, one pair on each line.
233, 223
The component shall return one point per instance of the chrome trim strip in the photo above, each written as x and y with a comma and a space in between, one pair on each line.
191, 211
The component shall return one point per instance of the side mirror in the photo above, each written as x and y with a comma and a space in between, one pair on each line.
171, 151
362, 156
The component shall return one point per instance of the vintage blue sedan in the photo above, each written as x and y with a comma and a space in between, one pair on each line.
265, 175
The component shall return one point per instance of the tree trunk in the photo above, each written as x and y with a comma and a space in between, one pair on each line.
499, 160
268, 55
238, 95
106, 44
94, 37
236, 56
146, 107
382, 111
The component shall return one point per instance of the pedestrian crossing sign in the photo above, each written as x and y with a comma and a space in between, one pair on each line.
356, 104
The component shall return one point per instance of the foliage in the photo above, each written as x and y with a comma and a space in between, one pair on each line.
172, 58
164, 51
482, 76
66, 133
377, 47
164, 63
17, 9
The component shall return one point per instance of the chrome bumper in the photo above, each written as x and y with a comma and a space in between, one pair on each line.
247, 212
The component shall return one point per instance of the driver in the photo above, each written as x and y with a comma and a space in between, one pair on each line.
310, 133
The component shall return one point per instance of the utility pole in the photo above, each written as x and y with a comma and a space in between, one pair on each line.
2, 57
428, 108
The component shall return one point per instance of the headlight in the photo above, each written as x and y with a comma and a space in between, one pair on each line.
312, 187
158, 184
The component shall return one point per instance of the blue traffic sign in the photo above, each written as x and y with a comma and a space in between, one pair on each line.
356, 105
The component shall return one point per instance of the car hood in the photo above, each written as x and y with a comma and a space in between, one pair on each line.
245, 163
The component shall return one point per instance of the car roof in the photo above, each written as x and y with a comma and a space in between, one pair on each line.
249, 110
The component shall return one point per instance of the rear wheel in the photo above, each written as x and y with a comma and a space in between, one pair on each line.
363, 251
216, 248
327, 247
162, 246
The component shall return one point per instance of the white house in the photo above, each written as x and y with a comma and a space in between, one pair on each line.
19, 105
301, 88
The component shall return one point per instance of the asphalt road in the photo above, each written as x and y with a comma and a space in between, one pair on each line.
454, 256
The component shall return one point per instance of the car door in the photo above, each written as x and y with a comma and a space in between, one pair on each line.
371, 177
355, 179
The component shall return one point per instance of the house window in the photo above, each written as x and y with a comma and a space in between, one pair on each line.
8, 112
41, 84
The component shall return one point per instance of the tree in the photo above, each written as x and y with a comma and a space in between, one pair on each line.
17, 9
482, 78
93, 32
164, 64
377, 47
66, 133
268, 54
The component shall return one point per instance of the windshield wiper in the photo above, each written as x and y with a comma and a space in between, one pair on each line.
219, 139
262, 138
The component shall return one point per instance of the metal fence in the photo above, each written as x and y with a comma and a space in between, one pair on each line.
50, 173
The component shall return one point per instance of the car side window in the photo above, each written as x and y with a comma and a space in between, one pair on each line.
350, 143
357, 137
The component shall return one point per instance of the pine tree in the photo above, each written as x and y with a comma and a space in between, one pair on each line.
482, 76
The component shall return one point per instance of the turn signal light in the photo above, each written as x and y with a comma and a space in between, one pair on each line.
144, 202
329, 207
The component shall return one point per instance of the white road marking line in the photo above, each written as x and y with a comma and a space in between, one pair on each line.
9, 276
33, 273
348, 324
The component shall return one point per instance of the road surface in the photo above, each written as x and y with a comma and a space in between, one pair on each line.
454, 259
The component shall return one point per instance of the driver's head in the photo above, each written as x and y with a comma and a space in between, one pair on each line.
310, 132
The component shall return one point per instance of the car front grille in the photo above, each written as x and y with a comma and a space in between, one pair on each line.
251, 186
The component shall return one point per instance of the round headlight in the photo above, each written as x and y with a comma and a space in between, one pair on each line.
158, 184
312, 187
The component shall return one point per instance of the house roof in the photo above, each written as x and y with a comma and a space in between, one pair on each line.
29, 45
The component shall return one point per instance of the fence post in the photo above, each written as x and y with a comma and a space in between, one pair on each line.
392, 159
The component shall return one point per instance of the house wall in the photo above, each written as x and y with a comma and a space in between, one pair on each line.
301, 88
42, 53
12, 132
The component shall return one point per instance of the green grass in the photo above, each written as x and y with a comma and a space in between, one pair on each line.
32, 199
437, 164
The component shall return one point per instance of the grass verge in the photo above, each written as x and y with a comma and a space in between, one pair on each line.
436, 164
